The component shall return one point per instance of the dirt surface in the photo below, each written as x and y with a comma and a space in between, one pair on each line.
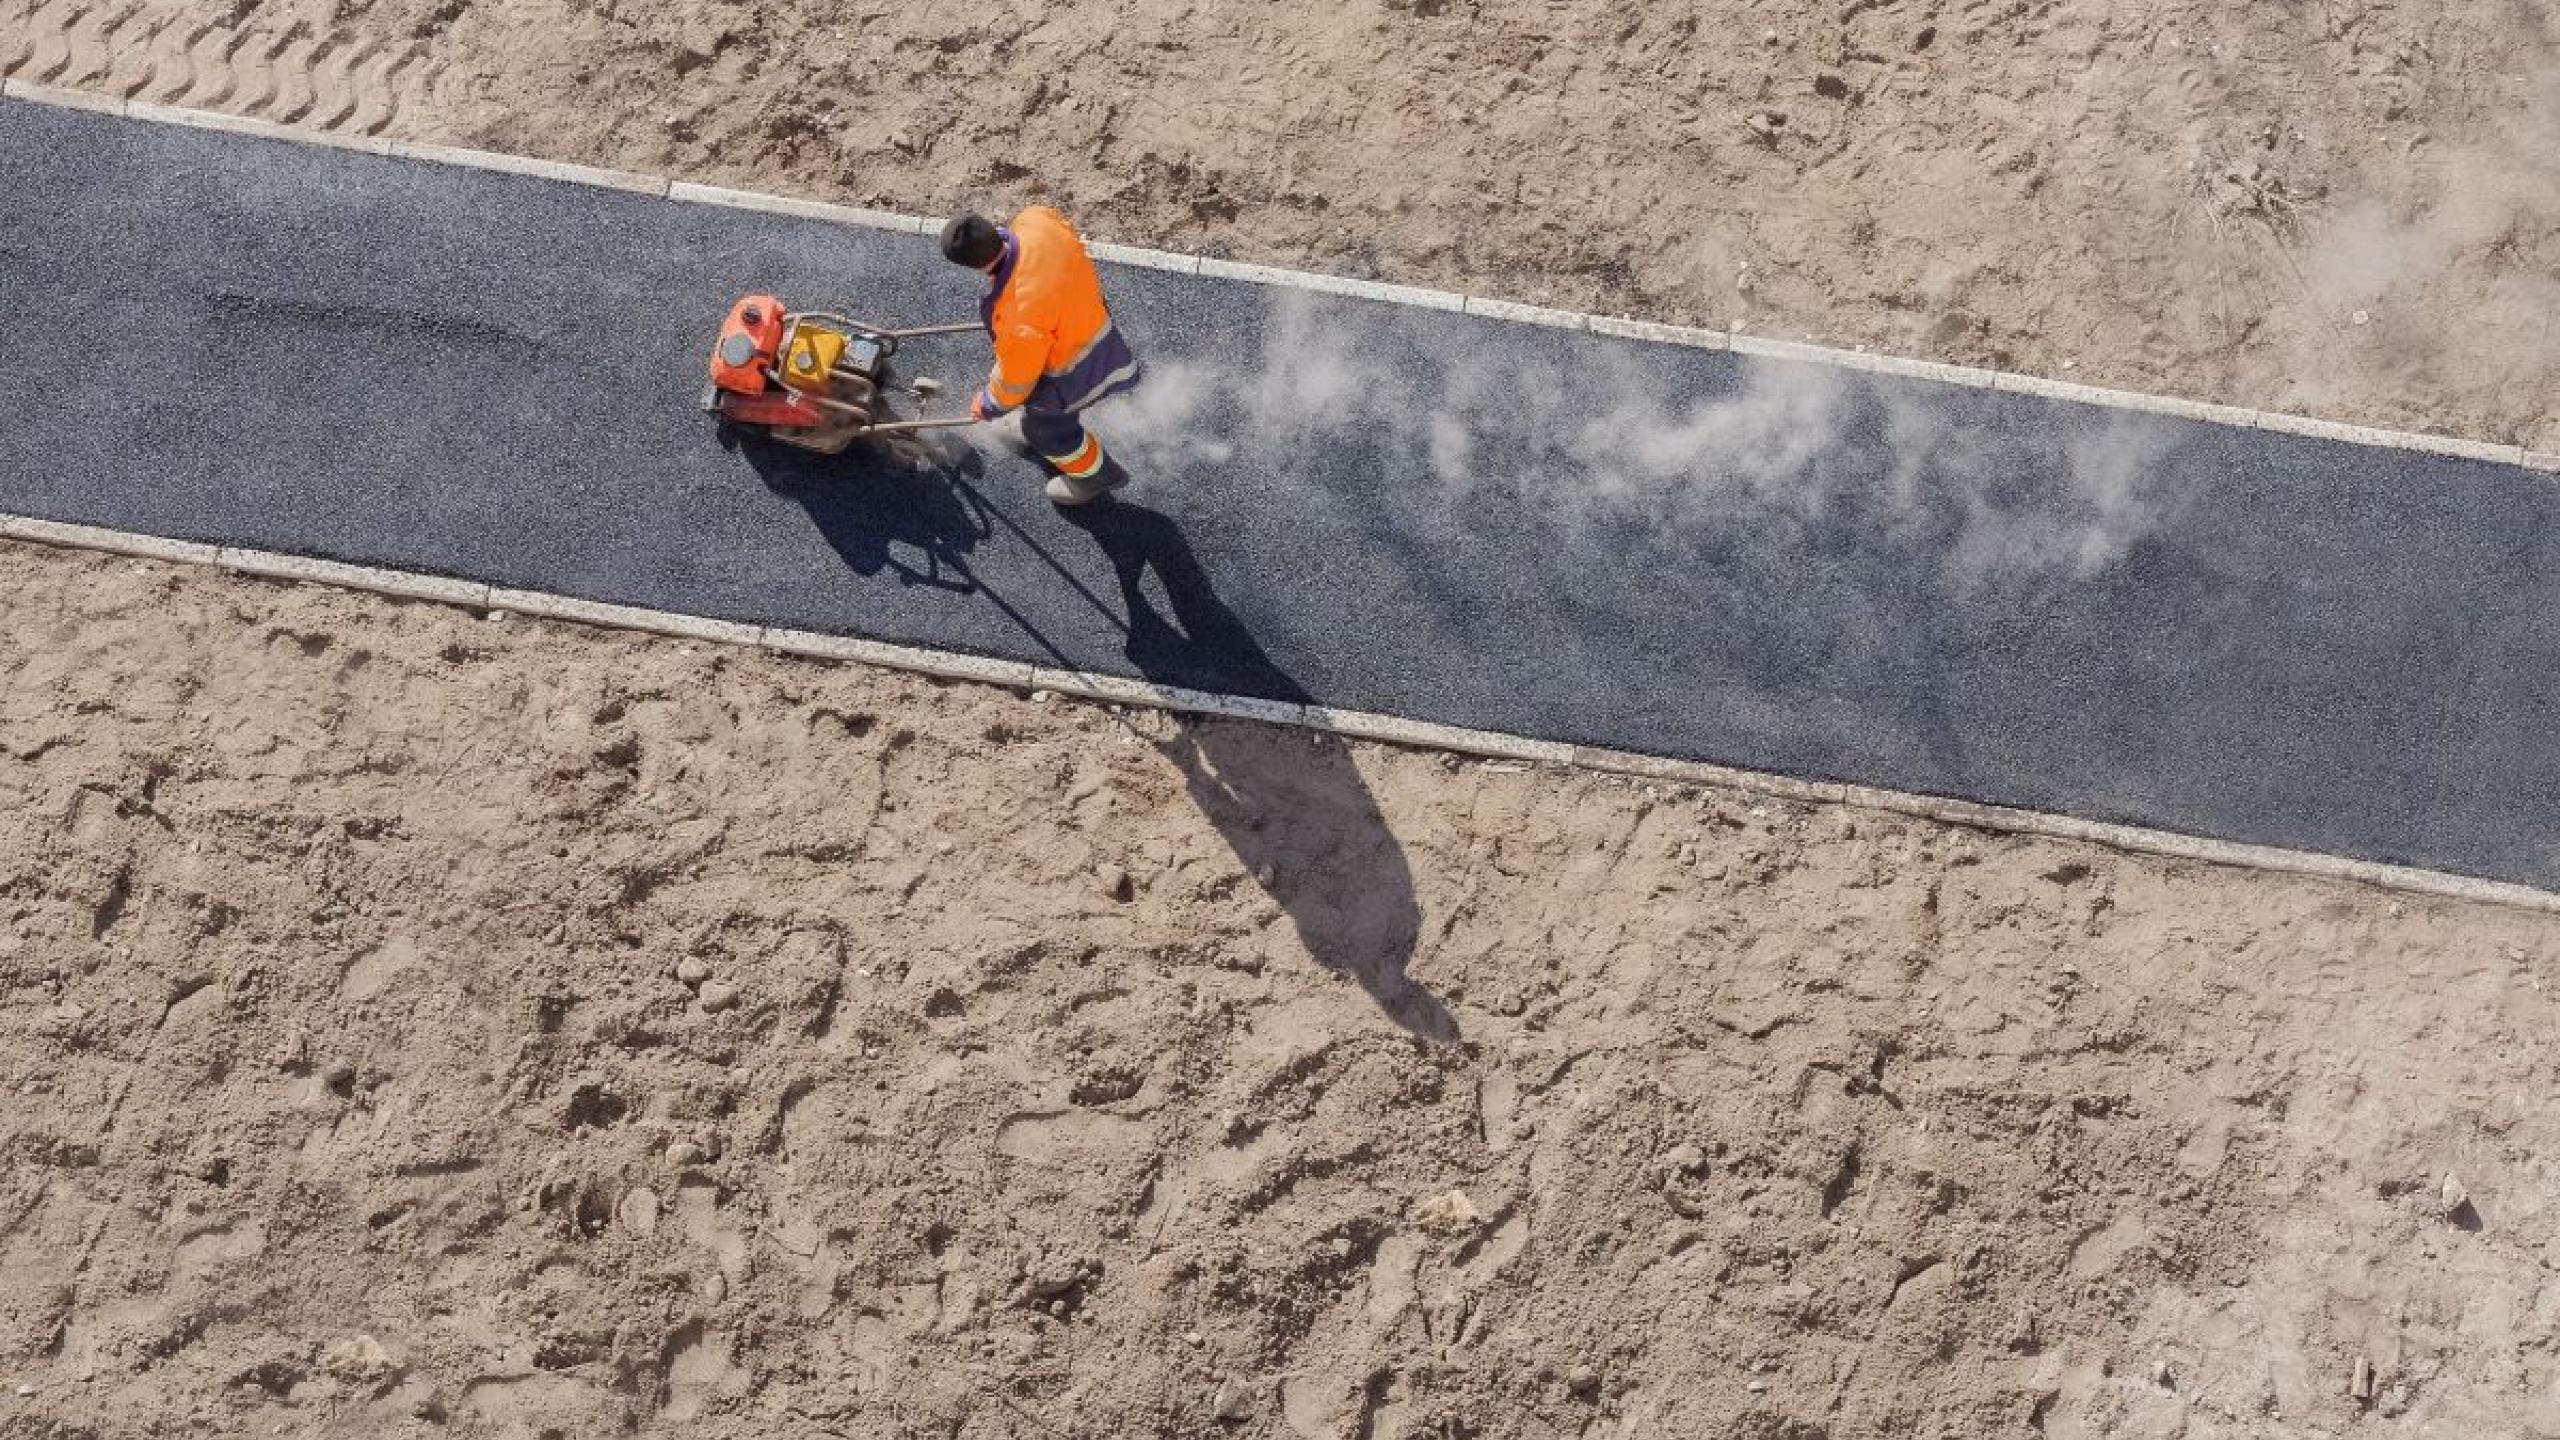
421, 1022
2347, 209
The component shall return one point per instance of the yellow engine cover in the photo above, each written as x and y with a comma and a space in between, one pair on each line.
808, 353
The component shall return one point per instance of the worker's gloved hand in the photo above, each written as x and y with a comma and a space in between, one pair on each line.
983, 406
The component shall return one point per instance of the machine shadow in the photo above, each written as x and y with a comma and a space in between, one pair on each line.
872, 502
1292, 805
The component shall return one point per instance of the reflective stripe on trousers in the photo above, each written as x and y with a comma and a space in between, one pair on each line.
1106, 387
1061, 439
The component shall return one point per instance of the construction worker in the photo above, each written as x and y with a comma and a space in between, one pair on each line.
1057, 351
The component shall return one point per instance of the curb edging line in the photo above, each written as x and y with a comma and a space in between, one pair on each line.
549, 606
757, 200
940, 664
118, 542
62, 96
2170, 406
1692, 336
1105, 689
1526, 314
594, 175
1348, 724
1317, 282
2376, 437
230, 124
1142, 257
1430, 735
305, 569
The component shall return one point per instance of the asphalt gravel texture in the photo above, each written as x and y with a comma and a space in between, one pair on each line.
1779, 566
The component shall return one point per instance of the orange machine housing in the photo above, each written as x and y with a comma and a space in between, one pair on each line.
750, 344
750, 339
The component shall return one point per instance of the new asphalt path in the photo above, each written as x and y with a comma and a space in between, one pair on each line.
1773, 565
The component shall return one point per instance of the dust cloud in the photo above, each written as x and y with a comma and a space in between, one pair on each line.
1789, 446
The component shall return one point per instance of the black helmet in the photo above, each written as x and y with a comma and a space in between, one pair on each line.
972, 240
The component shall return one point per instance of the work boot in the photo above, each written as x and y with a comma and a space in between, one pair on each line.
1064, 490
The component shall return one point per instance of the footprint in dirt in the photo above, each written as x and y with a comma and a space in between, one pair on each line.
696, 1366
697, 1207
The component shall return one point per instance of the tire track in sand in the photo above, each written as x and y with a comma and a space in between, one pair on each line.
333, 78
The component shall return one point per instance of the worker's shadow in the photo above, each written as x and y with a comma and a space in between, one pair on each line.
1291, 803
908, 510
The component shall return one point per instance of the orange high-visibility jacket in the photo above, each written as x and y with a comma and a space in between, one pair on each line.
1056, 347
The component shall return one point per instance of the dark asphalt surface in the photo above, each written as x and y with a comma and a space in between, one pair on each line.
2261, 638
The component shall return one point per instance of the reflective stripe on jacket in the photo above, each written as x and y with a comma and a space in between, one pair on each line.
1056, 348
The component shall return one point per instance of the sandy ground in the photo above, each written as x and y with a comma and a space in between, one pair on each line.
2344, 208
414, 1021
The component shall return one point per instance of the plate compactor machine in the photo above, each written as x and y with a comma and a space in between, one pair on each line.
814, 379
